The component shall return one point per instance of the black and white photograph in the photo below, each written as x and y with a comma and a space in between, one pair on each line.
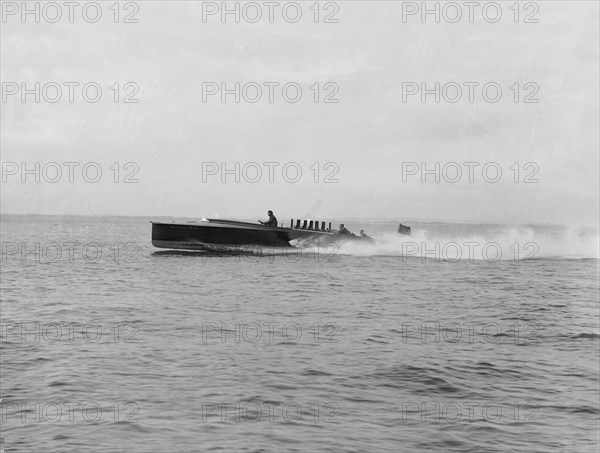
300, 226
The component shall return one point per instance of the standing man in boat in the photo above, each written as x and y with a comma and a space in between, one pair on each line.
272, 222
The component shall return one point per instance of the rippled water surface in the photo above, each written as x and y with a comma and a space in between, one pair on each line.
411, 344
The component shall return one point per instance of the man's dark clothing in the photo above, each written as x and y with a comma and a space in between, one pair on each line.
272, 221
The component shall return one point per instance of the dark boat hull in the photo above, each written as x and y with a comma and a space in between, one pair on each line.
217, 234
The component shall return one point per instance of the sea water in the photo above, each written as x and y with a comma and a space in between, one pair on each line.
460, 337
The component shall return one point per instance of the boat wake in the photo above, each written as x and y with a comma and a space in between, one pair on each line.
516, 243
431, 242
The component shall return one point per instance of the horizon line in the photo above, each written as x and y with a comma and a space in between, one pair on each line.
416, 219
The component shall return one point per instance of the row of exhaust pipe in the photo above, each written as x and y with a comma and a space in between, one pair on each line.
309, 225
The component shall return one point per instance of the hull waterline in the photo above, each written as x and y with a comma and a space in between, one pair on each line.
219, 235
223, 234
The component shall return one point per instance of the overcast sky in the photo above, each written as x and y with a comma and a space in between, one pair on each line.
368, 136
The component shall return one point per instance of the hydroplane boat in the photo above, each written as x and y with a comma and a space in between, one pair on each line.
219, 234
